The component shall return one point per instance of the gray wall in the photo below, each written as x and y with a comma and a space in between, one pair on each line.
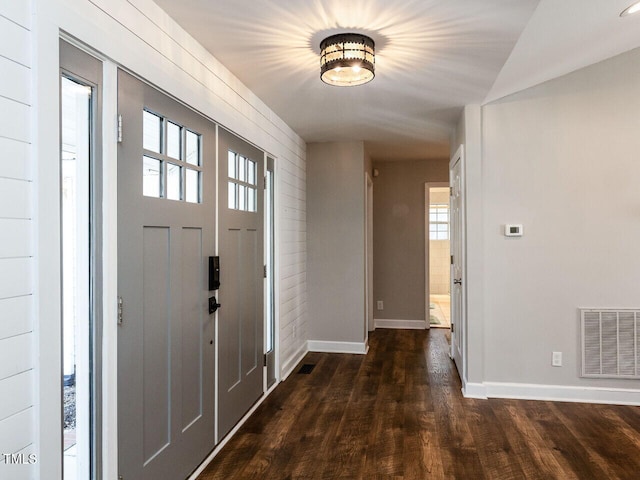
561, 158
398, 235
336, 236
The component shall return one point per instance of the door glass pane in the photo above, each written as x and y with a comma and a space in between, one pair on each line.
173, 181
232, 165
174, 140
251, 172
242, 173
193, 148
76, 122
151, 132
251, 199
151, 178
242, 197
193, 186
233, 196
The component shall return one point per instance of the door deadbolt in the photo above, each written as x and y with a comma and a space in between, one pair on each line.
213, 305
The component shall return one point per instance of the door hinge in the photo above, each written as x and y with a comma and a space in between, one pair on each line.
265, 360
452, 328
265, 271
120, 308
451, 259
451, 191
119, 128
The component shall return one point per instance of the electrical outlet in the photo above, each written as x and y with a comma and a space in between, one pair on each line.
380, 305
556, 359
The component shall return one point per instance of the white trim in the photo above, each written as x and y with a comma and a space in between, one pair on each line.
45, 161
401, 324
474, 390
109, 270
555, 393
291, 363
230, 435
323, 346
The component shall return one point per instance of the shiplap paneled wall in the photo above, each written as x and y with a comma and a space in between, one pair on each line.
17, 357
232, 104
140, 36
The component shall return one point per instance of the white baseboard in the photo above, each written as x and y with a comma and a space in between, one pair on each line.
338, 347
289, 365
474, 390
400, 324
556, 393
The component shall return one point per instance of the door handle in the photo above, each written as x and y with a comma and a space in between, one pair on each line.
457, 281
213, 305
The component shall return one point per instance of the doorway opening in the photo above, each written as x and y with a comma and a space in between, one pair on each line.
438, 251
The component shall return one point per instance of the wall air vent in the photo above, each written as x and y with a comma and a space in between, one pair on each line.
610, 343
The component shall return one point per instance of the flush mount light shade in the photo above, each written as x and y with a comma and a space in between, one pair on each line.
347, 59
635, 8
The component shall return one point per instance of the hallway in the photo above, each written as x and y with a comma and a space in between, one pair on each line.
398, 413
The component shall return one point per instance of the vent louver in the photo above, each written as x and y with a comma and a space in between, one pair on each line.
610, 341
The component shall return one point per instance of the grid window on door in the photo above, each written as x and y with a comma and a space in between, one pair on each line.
243, 183
438, 222
172, 160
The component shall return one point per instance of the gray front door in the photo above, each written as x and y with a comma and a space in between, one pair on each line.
166, 218
241, 316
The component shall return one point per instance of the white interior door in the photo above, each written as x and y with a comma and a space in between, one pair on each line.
458, 300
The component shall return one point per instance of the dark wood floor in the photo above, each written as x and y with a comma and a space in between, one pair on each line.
397, 413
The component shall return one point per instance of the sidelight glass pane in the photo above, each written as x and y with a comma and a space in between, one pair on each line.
75, 199
151, 132
193, 186
193, 154
174, 140
174, 183
151, 177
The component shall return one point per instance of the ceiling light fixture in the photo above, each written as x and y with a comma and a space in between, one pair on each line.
635, 8
347, 59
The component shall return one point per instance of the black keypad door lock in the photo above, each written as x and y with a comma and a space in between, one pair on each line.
213, 305
214, 273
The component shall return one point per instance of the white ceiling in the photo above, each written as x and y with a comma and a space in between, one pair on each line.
432, 58
563, 36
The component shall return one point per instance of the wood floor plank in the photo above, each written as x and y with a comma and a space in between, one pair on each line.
397, 413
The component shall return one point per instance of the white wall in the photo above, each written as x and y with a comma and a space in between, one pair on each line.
468, 133
138, 35
336, 225
561, 158
17, 357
